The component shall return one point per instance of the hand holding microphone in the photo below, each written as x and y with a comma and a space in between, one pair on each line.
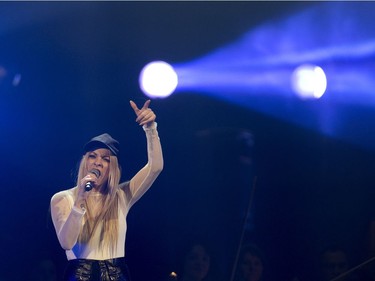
89, 185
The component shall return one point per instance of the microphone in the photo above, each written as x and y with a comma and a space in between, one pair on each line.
89, 184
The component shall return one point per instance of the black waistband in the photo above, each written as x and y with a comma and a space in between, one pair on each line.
114, 261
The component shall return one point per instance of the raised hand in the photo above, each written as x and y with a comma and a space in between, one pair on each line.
145, 116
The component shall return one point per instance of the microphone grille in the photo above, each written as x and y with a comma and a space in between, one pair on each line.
96, 172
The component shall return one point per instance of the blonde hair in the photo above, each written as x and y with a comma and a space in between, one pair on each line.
107, 219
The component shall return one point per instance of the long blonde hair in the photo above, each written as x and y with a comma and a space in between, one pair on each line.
108, 210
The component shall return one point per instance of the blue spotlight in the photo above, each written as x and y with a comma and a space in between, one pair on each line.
263, 60
309, 81
158, 79
262, 69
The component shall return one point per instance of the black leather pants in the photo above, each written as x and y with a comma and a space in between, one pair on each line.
97, 270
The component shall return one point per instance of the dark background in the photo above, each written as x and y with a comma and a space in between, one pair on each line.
80, 63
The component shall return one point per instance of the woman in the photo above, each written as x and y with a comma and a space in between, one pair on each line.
90, 219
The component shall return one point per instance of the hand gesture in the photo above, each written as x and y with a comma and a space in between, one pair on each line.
145, 116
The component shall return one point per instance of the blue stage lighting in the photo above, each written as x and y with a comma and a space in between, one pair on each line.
262, 69
309, 81
158, 79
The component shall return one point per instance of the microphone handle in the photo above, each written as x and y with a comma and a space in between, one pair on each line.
88, 186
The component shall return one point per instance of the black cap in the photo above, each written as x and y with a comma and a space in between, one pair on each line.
103, 141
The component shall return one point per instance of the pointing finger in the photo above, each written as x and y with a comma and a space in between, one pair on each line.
147, 103
134, 106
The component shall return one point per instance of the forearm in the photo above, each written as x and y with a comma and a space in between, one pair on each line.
71, 229
154, 150
67, 221
147, 175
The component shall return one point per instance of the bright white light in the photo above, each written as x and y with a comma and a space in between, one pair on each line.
158, 79
309, 81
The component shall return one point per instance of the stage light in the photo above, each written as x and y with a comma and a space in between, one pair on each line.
158, 79
275, 65
309, 81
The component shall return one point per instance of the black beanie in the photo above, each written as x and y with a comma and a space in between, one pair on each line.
103, 141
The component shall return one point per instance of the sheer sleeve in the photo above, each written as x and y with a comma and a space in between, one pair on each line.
67, 219
143, 180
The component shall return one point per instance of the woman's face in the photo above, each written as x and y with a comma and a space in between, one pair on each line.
99, 159
197, 263
251, 267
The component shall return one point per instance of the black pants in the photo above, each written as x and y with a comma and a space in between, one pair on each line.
97, 270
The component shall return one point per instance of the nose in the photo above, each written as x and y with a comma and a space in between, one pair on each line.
98, 163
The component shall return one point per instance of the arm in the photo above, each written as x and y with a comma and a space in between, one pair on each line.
67, 213
143, 180
67, 220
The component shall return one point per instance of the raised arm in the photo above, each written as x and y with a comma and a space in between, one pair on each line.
143, 180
